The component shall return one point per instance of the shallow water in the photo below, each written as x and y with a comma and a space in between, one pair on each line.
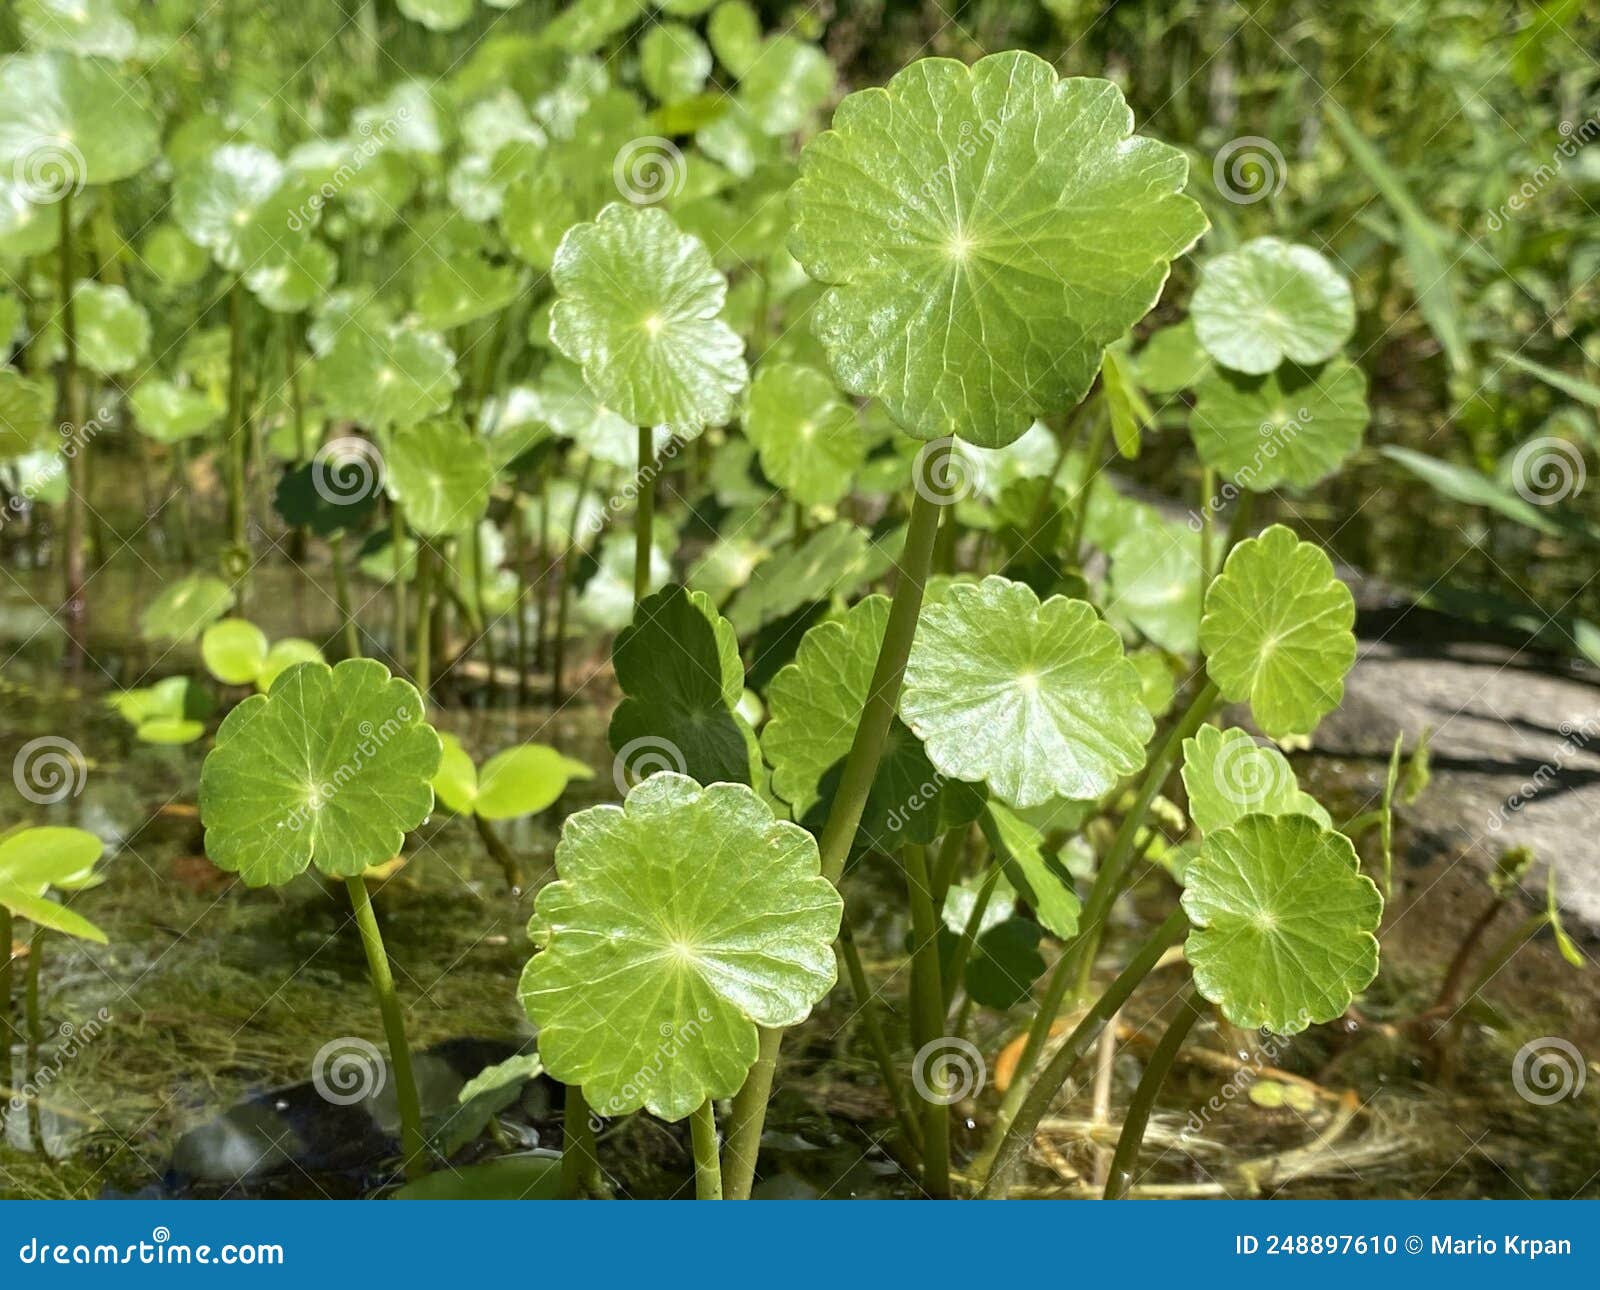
178, 1060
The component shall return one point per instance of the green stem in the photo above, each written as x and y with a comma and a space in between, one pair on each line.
397, 545
180, 470
7, 1032
405, 1084
1016, 1136
502, 855
70, 395
547, 576
1092, 464
519, 562
644, 514
30, 988
951, 852
1137, 1119
238, 512
341, 595
580, 1163
1073, 965
707, 1167
876, 1039
860, 768
928, 1012
422, 643
558, 652
969, 935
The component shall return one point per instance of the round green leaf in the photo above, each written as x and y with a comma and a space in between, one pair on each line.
394, 376
638, 310
237, 205
1277, 632
441, 473
99, 27
1005, 963
806, 434
172, 257
297, 281
1293, 426
234, 651
1036, 700
1284, 922
39, 858
788, 81
26, 413
1228, 775
1171, 360
66, 122
282, 656
735, 32
1268, 301
332, 767
113, 329
437, 15
681, 922
455, 783
673, 62
463, 289
1155, 583
169, 413
985, 233
186, 608
524, 781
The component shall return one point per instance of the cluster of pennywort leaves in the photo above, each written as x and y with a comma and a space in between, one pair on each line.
468, 329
